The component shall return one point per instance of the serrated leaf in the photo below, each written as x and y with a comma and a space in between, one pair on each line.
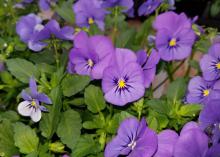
22, 69
69, 128
25, 138
97, 122
94, 99
7, 146
72, 84
86, 145
190, 110
49, 122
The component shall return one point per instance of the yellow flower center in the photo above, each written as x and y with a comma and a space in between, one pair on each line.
90, 21
90, 63
121, 83
206, 92
218, 65
33, 103
172, 42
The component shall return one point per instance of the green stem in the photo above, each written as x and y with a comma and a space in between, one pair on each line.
189, 67
115, 28
169, 71
167, 78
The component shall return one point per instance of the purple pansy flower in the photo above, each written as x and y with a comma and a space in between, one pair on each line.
209, 119
166, 142
175, 37
126, 4
210, 63
148, 64
134, 139
91, 55
89, 12
31, 104
65, 33
193, 142
200, 91
123, 80
148, 7
46, 4
32, 32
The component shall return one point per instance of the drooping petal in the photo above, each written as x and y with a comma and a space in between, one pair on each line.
36, 115
24, 109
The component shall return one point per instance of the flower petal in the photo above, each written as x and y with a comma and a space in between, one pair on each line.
24, 109
36, 115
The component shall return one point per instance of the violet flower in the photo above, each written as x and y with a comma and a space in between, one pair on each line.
133, 139
175, 37
149, 7
166, 142
209, 119
91, 55
89, 12
64, 33
148, 64
210, 63
127, 5
123, 79
201, 91
31, 104
33, 33
192, 142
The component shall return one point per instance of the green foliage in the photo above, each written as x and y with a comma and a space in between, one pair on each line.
72, 84
22, 69
69, 128
7, 147
86, 146
49, 122
94, 99
25, 138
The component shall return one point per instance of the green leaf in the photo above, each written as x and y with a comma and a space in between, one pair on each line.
25, 138
49, 122
94, 99
9, 115
85, 146
97, 123
215, 8
66, 12
22, 69
72, 84
160, 106
69, 128
113, 124
7, 147
190, 110
176, 89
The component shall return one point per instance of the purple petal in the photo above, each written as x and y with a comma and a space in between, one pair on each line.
166, 142
193, 143
26, 96
33, 87
214, 151
43, 98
